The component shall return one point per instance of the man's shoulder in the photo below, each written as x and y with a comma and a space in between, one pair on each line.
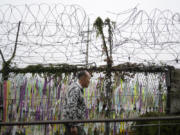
73, 89
74, 85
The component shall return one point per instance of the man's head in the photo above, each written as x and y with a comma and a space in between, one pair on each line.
84, 78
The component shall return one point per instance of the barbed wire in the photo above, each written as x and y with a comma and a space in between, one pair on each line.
60, 34
154, 35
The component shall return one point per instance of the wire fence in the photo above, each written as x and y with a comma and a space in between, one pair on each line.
62, 33
29, 98
54, 42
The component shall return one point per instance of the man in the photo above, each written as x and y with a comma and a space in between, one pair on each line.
74, 107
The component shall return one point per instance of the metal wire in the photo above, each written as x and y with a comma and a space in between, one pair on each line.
59, 34
90, 121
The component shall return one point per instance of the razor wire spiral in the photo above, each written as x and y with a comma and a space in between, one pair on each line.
59, 34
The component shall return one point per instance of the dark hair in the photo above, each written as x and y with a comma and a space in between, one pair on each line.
81, 73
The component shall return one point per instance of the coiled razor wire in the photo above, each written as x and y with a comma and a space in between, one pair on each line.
60, 34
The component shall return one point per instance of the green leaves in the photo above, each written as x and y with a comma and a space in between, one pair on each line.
98, 25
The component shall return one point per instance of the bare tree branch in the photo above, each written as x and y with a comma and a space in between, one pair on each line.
17, 35
2, 56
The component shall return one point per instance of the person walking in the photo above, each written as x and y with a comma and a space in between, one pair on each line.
74, 107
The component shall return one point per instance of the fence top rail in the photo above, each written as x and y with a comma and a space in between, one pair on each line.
91, 121
65, 68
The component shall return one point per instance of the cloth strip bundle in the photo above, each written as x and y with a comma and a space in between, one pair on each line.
34, 98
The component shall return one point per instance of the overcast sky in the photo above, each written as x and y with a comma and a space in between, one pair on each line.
100, 7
